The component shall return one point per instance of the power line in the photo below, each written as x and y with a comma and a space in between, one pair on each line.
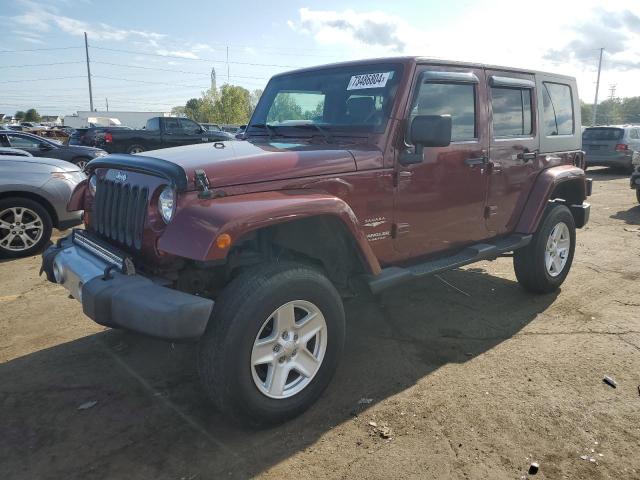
146, 81
210, 60
208, 75
41, 79
38, 64
37, 49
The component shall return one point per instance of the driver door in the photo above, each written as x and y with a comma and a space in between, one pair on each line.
440, 201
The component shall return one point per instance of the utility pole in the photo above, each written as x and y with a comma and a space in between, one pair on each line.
86, 50
228, 81
612, 91
595, 102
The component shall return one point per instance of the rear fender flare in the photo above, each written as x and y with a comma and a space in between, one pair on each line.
542, 192
198, 222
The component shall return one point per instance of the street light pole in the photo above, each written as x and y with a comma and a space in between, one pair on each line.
86, 50
595, 102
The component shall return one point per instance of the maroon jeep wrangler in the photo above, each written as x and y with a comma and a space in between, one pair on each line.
362, 174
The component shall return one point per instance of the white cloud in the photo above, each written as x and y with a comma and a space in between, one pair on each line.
178, 53
40, 18
497, 32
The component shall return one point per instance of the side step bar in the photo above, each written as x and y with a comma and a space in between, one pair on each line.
392, 276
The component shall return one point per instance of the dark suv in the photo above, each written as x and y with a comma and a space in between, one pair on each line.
611, 146
352, 177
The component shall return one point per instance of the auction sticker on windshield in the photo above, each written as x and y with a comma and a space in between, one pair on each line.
369, 80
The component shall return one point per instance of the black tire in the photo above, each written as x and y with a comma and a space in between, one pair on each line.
638, 194
45, 219
224, 353
133, 149
529, 262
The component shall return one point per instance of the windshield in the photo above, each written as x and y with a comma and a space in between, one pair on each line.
349, 99
602, 134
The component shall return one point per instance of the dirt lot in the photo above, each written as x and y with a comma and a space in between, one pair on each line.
474, 381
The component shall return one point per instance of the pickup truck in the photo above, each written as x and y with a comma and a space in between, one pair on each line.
350, 179
160, 132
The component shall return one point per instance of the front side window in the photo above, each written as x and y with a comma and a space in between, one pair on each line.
512, 115
344, 100
557, 104
457, 100
633, 133
153, 124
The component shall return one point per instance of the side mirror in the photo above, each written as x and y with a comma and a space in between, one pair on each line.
427, 131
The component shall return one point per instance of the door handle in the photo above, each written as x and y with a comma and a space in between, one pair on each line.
526, 155
472, 162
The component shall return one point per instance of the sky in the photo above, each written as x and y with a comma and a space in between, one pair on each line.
151, 55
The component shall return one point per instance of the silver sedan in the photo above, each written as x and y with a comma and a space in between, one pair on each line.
34, 192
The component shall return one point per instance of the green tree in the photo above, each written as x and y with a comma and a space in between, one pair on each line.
31, 115
178, 111
284, 108
255, 97
192, 108
233, 105
19, 115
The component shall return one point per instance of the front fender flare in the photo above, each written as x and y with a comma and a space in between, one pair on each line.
198, 222
541, 193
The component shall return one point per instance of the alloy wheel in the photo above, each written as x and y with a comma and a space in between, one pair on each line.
20, 229
557, 250
289, 349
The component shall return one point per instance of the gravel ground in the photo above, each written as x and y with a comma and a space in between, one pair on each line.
467, 375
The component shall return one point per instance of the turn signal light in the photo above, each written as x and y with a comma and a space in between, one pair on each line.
622, 147
223, 241
108, 137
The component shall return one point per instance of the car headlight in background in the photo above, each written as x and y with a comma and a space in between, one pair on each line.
166, 203
100, 153
93, 183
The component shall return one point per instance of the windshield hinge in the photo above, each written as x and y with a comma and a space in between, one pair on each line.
202, 183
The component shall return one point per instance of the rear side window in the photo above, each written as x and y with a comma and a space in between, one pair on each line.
153, 124
602, 134
457, 100
557, 109
511, 112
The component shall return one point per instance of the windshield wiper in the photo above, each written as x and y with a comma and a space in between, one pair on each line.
328, 137
270, 129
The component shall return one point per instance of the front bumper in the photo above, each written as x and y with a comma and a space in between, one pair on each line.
113, 296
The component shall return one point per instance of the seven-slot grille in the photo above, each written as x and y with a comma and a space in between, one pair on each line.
119, 212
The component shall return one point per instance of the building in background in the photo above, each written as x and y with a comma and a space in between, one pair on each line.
106, 118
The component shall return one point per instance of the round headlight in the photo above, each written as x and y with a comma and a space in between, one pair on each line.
93, 183
166, 203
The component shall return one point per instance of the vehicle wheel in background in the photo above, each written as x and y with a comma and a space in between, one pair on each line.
544, 264
272, 344
638, 194
81, 162
25, 227
135, 149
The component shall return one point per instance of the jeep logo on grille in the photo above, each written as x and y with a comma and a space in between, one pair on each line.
121, 177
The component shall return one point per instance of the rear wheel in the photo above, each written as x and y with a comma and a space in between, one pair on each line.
135, 149
543, 265
25, 227
272, 344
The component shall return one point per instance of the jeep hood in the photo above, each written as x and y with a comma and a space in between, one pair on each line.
242, 162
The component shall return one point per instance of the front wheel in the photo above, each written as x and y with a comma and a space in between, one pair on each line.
273, 343
25, 227
543, 265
